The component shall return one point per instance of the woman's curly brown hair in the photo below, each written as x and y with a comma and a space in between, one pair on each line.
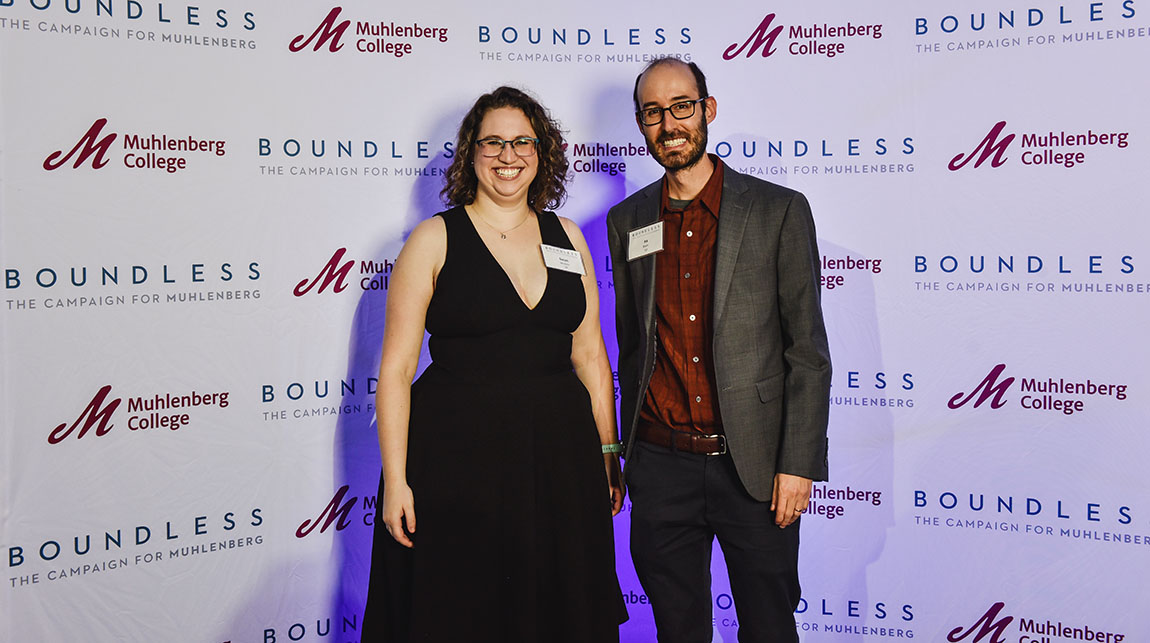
548, 190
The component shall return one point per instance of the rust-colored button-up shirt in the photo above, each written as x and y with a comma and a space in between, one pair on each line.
682, 391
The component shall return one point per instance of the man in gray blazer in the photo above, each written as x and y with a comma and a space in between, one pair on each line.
724, 371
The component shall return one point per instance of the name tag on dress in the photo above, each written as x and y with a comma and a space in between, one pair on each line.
644, 241
562, 259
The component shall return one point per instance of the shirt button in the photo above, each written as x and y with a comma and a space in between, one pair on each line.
690, 234
687, 276
698, 398
692, 318
695, 359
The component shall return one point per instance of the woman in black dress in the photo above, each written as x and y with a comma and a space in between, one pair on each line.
504, 448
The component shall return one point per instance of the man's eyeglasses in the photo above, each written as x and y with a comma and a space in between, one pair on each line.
682, 109
493, 146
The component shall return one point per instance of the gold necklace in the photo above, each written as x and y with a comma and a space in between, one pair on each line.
503, 233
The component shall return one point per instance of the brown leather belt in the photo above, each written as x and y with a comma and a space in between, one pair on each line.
688, 441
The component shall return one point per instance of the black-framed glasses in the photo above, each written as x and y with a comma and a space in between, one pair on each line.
492, 146
680, 110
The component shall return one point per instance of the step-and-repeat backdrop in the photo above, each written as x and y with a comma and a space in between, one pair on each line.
201, 204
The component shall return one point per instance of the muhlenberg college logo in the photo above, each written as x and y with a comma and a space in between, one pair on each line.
375, 37
160, 411
142, 151
815, 40
375, 275
1038, 148
989, 628
1061, 395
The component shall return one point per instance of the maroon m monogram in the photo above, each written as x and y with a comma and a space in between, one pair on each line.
989, 145
95, 412
86, 147
987, 387
327, 30
332, 271
333, 511
762, 35
987, 625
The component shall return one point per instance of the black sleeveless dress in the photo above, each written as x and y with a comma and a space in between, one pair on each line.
513, 537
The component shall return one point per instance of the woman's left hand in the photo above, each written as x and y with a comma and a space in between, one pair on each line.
614, 482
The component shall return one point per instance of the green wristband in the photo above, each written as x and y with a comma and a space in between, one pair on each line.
614, 447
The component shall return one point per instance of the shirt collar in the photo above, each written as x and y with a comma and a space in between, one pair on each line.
710, 196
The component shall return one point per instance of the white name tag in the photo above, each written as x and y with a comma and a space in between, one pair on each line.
562, 259
644, 241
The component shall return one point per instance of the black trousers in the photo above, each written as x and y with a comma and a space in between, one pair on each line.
680, 503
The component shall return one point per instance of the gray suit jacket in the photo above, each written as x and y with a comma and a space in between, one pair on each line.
772, 364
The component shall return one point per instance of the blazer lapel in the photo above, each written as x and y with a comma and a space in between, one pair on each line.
733, 212
643, 269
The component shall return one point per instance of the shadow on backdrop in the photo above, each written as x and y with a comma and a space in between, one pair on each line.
355, 444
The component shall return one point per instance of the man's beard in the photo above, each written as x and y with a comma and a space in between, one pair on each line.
678, 160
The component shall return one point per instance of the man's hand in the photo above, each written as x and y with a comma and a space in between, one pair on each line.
789, 498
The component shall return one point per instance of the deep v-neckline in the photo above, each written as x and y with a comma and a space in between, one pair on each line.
499, 266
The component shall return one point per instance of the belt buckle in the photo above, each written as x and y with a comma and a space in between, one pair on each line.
722, 444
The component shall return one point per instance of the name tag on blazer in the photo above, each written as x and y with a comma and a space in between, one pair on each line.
644, 241
562, 259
